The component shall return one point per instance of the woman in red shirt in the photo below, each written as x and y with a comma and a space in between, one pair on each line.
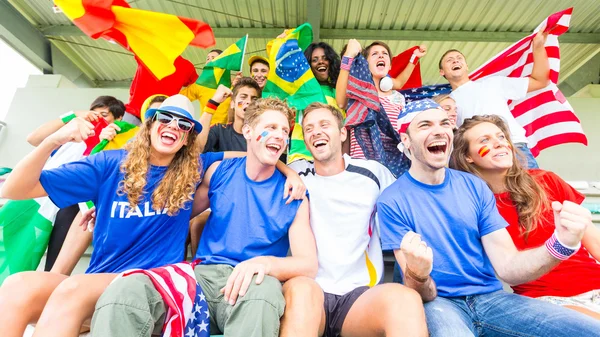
482, 146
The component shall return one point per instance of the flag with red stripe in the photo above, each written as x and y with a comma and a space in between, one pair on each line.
545, 114
187, 309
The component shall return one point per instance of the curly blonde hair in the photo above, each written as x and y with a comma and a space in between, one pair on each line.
179, 183
528, 196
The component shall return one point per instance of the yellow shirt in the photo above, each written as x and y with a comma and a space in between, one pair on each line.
203, 94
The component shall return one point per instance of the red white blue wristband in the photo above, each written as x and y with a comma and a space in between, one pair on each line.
67, 117
559, 250
346, 63
414, 59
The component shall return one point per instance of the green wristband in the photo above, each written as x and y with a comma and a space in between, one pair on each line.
69, 116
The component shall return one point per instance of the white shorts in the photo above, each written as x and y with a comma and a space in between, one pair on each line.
589, 300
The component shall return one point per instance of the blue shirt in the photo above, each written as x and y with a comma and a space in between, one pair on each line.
247, 219
451, 218
123, 238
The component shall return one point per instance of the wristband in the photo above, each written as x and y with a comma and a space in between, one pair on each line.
211, 106
67, 117
346, 63
559, 250
414, 59
415, 277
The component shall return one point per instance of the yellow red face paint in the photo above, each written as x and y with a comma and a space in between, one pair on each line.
483, 151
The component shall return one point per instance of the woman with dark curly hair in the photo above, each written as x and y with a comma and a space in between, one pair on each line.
324, 63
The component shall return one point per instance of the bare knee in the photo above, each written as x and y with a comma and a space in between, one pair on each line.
302, 287
400, 298
17, 291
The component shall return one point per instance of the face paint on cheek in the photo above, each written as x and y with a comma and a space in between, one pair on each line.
262, 137
240, 104
483, 151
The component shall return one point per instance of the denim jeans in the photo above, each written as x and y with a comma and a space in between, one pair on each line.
504, 314
526, 158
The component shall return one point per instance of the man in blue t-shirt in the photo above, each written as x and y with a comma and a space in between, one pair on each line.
244, 245
449, 239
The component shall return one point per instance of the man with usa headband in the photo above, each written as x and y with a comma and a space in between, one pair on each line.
450, 242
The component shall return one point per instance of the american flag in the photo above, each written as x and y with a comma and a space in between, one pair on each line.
545, 114
187, 309
372, 128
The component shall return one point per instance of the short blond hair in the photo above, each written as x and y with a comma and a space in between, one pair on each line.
259, 106
439, 98
334, 111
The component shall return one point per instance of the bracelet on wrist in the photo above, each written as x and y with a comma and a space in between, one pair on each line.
346, 63
213, 104
67, 117
415, 277
414, 59
558, 250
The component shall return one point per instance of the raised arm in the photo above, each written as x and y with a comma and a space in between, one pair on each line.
540, 74
416, 261
24, 180
36, 137
517, 267
403, 77
352, 50
303, 261
205, 119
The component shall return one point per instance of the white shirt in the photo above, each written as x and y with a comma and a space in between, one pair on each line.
489, 96
342, 217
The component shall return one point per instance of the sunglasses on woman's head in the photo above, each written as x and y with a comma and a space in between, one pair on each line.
166, 118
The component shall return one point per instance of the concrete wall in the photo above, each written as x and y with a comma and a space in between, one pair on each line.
44, 98
575, 161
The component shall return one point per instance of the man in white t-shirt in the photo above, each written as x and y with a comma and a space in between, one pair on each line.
489, 96
346, 298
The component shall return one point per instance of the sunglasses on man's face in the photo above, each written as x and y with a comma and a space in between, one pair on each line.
165, 118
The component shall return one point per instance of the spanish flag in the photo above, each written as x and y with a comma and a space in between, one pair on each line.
157, 39
290, 78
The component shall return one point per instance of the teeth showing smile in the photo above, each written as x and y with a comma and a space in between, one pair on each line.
456, 67
320, 142
437, 147
168, 137
381, 64
322, 69
502, 154
274, 146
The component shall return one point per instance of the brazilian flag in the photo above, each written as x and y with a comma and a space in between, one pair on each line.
218, 71
290, 78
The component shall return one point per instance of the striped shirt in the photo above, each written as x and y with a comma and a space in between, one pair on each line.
392, 104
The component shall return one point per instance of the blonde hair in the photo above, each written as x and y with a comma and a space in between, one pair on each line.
439, 98
527, 195
334, 111
259, 106
177, 185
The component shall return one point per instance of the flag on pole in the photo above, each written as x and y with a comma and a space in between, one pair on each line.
218, 71
545, 114
157, 39
187, 309
127, 132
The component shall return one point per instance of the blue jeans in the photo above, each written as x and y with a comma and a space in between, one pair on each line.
505, 314
526, 158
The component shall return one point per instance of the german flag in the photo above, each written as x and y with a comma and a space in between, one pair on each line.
157, 39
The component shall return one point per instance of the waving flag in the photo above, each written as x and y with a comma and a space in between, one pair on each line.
400, 61
187, 309
157, 39
545, 114
218, 71
372, 128
290, 78
215, 72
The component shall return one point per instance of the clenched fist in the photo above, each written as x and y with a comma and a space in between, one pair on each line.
419, 257
571, 221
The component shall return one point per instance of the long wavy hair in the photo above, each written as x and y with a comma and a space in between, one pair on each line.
331, 56
527, 195
177, 185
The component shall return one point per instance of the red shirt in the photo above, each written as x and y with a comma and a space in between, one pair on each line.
577, 275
